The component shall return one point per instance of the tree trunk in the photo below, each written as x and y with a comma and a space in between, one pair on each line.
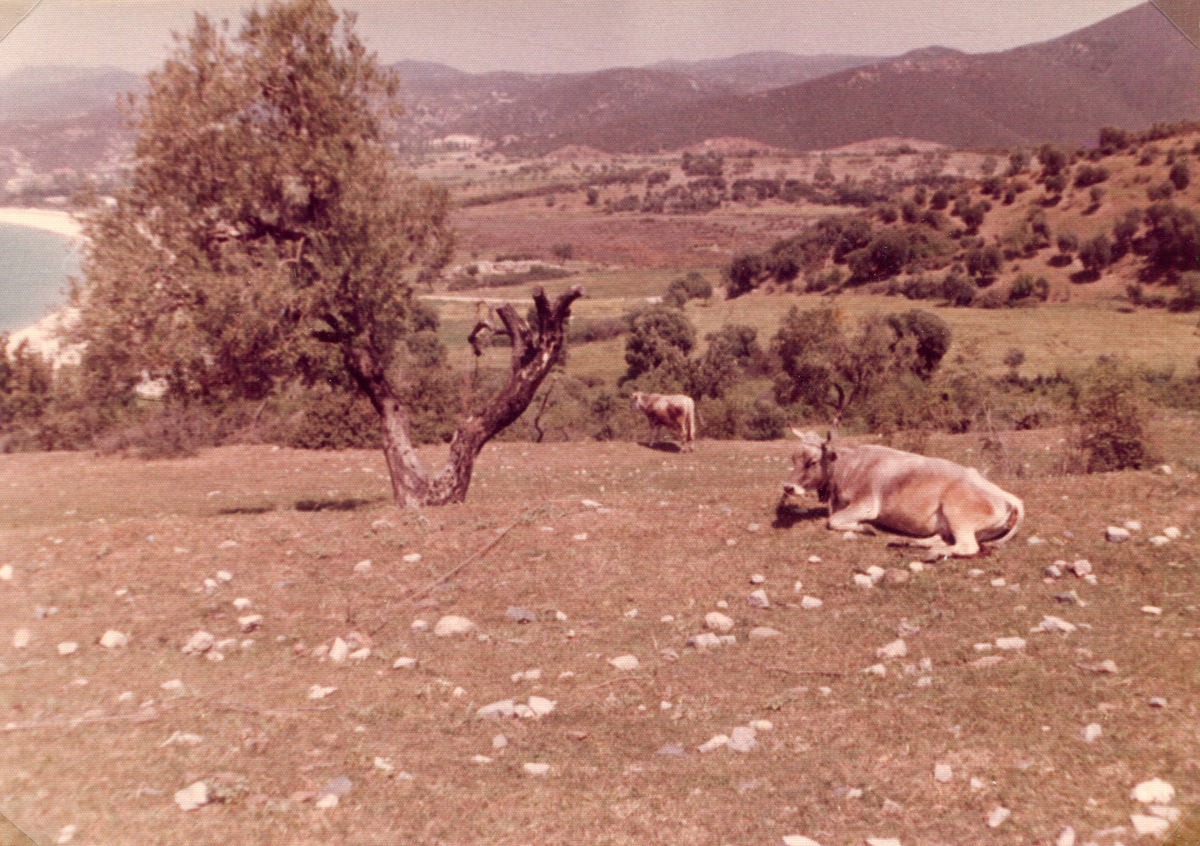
534, 353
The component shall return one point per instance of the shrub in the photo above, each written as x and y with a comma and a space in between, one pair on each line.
958, 289
1187, 293
1113, 415
763, 421
1088, 175
336, 420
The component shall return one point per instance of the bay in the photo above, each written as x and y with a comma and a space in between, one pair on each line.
35, 266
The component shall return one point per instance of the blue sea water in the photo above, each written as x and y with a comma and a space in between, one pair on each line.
34, 269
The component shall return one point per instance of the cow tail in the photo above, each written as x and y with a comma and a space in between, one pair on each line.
1014, 519
692, 418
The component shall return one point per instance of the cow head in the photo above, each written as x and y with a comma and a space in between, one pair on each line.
636, 400
811, 466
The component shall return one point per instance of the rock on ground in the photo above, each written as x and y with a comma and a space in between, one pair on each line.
452, 625
1154, 791
192, 797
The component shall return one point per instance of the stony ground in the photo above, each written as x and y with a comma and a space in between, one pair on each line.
252, 645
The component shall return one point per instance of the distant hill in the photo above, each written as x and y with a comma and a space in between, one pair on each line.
750, 73
1131, 70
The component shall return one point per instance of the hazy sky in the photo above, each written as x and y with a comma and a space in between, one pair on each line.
558, 35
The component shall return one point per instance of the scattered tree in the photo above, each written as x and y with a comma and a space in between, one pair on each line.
266, 233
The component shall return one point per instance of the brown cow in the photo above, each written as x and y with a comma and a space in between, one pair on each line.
669, 410
942, 506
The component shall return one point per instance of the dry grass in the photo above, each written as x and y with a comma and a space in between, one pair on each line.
127, 545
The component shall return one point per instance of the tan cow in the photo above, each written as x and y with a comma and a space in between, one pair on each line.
675, 410
942, 506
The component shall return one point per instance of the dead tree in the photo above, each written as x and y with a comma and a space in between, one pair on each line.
534, 352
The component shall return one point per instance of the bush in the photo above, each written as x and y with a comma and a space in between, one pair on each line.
336, 420
1187, 293
1113, 415
764, 421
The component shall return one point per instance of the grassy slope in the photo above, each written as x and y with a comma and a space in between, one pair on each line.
678, 535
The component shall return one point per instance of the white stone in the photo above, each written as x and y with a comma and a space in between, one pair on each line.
1160, 540
66, 833
200, 641
1172, 532
1054, 624
757, 579
339, 651
1116, 534
876, 669
1154, 791
625, 662
359, 654
582, 536
420, 625
762, 725
1091, 732
997, 817
1066, 837
412, 558
942, 773
498, 710
1144, 824
810, 602
173, 684
1152, 610
499, 741
863, 581
192, 797
883, 841
541, 706
318, 692
590, 503
704, 640
764, 633
6, 573
452, 625
1168, 813
363, 566
758, 599
717, 621
404, 663
916, 567
895, 649
875, 572
742, 739
715, 742
67, 647
1133, 525
113, 639
384, 764
536, 769
250, 622
224, 576
329, 800
799, 840
21, 638
481, 759
1081, 568
998, 582
1010, 643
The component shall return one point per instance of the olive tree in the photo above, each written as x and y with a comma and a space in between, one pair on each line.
267, 234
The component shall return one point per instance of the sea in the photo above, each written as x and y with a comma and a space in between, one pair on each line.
35, 269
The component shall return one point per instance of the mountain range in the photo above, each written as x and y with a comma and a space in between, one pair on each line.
1131, 70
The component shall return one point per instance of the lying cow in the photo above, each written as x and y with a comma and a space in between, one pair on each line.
940, 505
674, 410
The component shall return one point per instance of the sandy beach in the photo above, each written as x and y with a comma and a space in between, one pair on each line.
47, 219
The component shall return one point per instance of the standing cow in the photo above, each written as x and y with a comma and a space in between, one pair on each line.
674, 410
940, 505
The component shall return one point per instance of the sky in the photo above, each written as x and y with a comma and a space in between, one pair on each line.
543, 36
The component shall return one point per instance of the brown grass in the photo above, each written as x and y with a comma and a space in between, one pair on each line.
125, 544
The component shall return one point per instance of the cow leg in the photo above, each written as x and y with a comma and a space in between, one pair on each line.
854, 518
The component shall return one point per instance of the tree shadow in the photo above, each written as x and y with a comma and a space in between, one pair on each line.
788, 514
349, 504
1060, 260
662, 446
1082, 277
247, 509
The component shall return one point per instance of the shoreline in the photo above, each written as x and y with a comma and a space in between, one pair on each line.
47, 220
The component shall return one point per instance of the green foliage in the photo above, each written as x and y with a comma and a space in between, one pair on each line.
336, 420
26, 383
265, 232
657, 334
691, 286
1187, 293
1180, 175
924, 337
763, 421
1096, 254
1088, 175
984, 263
1172, 237
1113, 415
